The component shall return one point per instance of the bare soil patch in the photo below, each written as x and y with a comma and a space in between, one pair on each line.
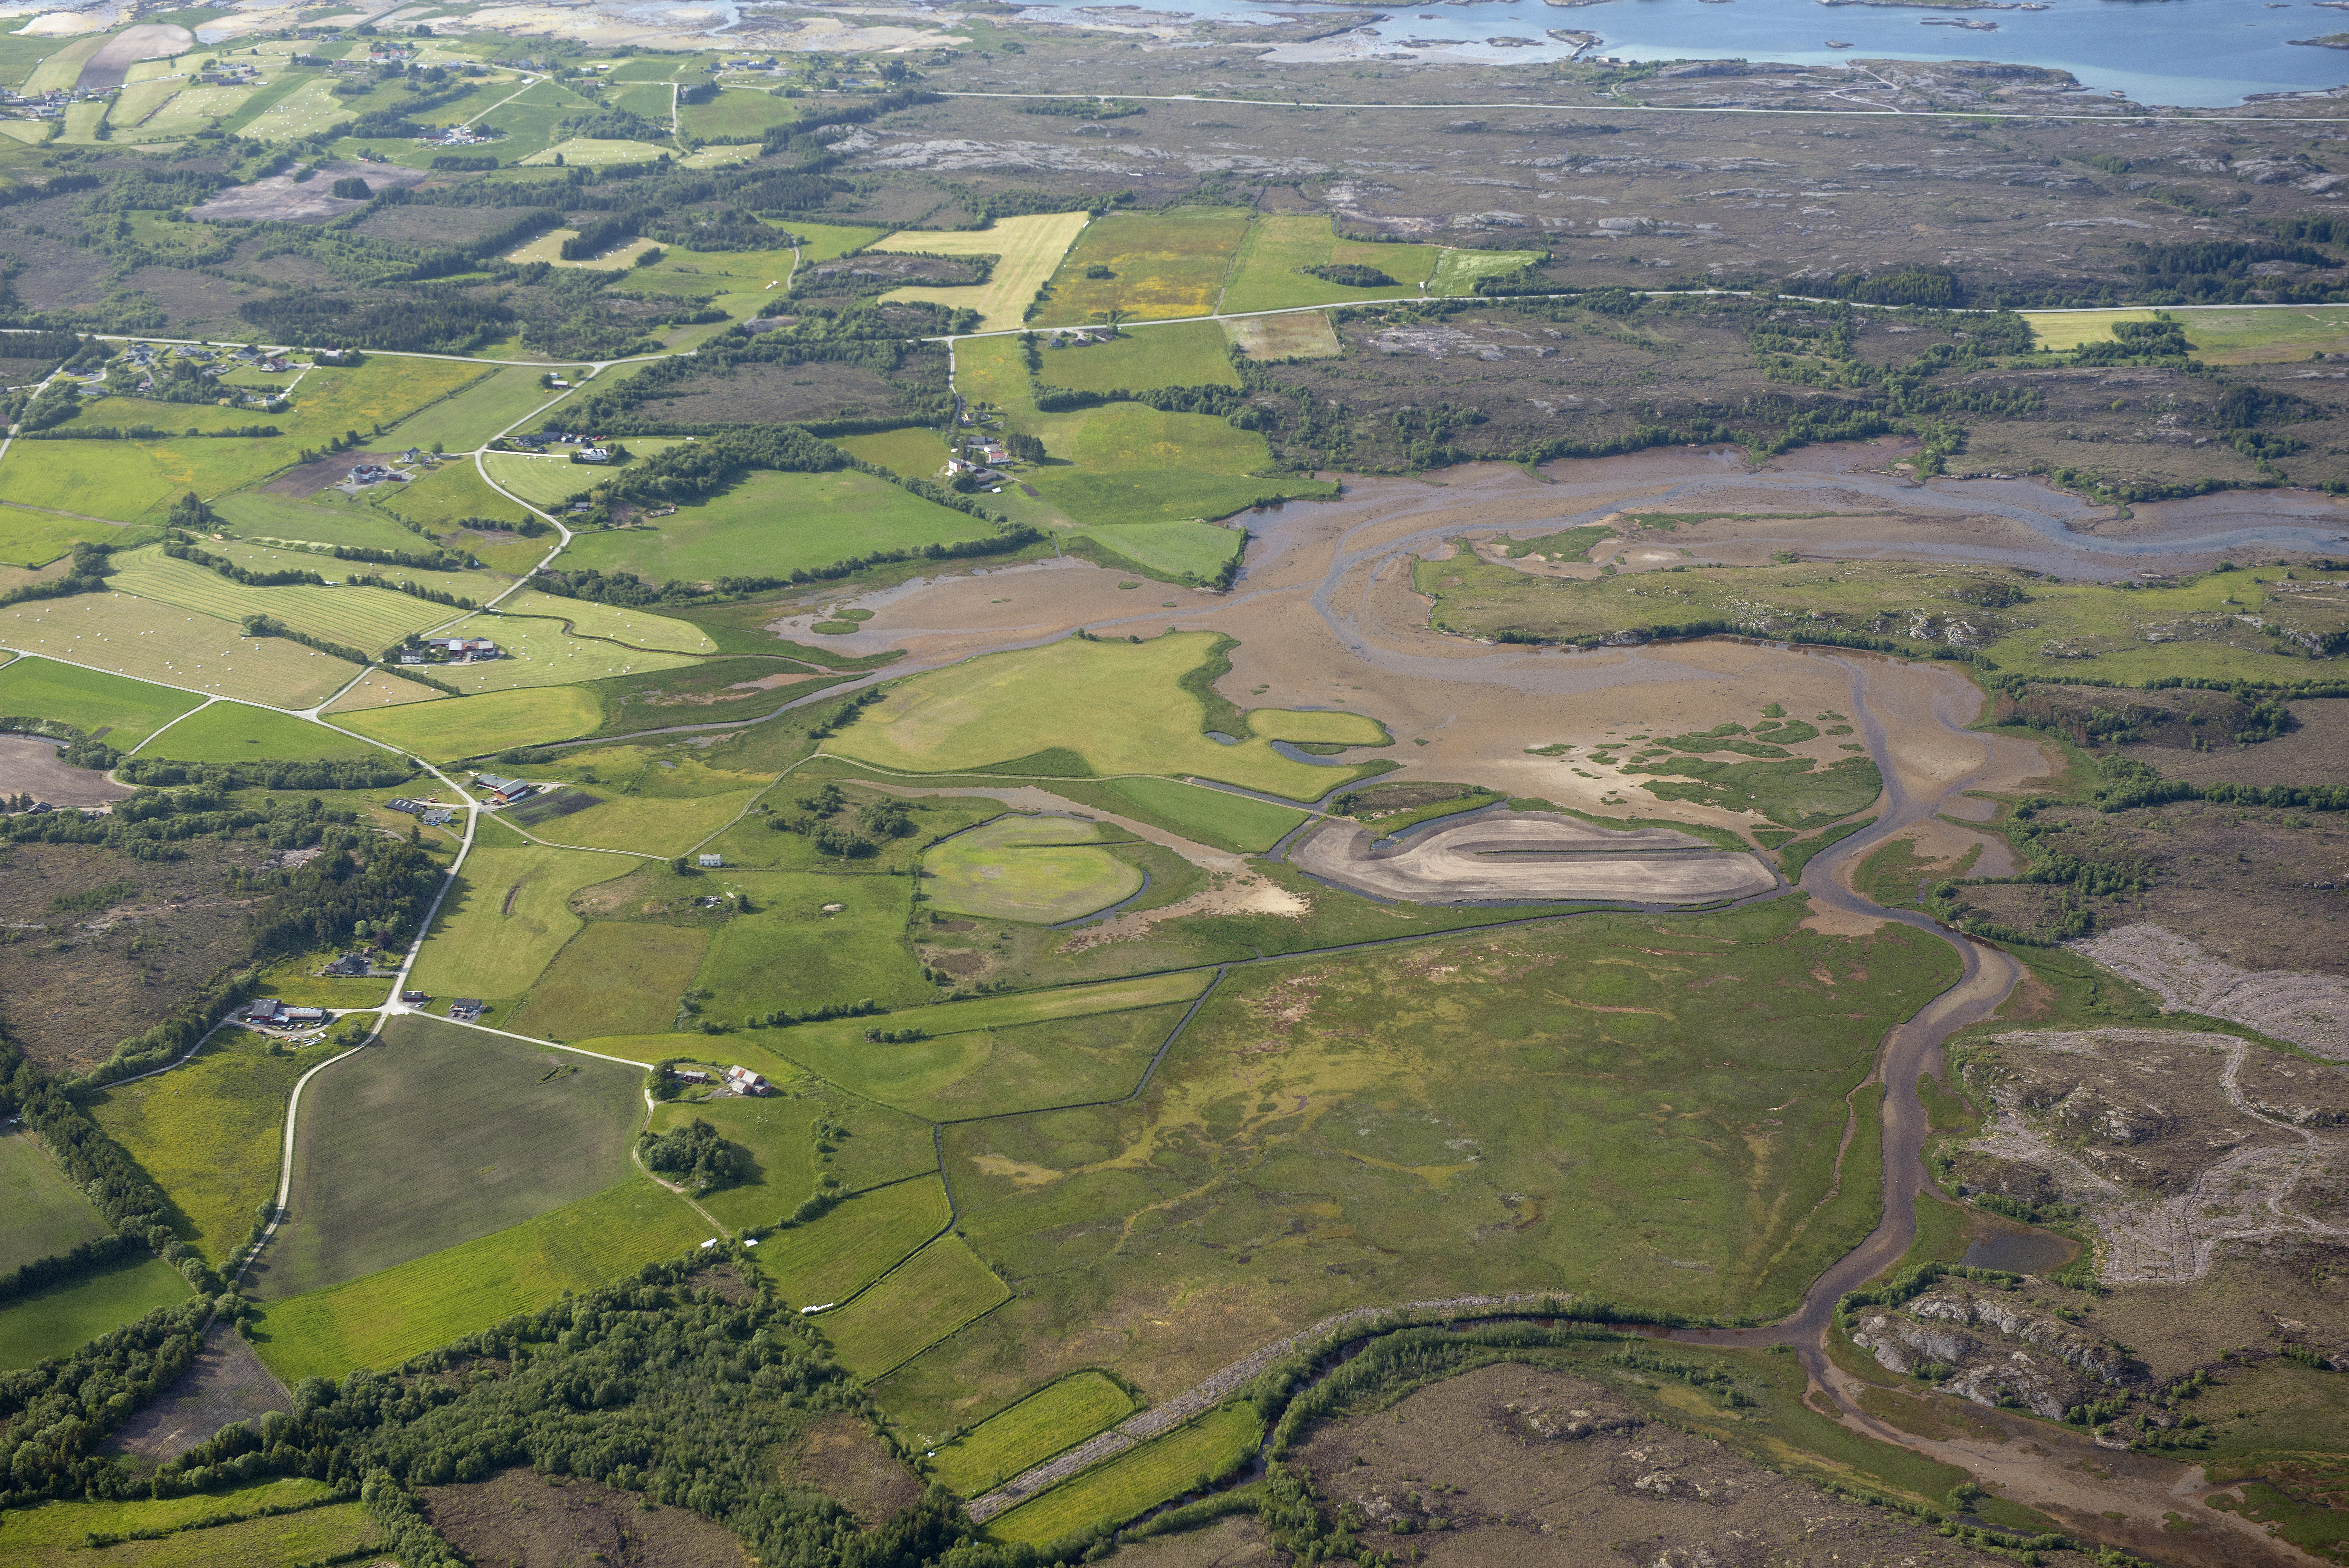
1532, 855
150, 41
1528, 1466
521, 1518
78, 982
309, 478
841, 1457
31, 766
227, 1383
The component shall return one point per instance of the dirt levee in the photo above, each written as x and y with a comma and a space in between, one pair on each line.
31, 767
1529, 856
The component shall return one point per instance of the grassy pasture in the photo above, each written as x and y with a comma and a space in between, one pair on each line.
1009, 870
914, 452
366, 619
499, 400
997, 1071
36, 538
274, 557
238, 732
1166, 264
1027, 251
1120, 706
834, 1256
650, 826
1188, 354
63, 69
141, 639
830, 242
1133, 463
1136, 1479
1211, 816
593, 152
615, 623
124, 711
740, 114
934, 1293
545, 483
61, 1318
291, 979
1265, 274
1298, 334
456, 491
257, 513
769, 523
1380, 1127
739, 277
507, 916
1324, 727
613, 976
789, 954
310, 107
2222, 334
1024, 1435
439, 1136
53, 1536
537, 651
207, 1134
780, 1144
386, 1317
380, 688
440, 732
42, 1213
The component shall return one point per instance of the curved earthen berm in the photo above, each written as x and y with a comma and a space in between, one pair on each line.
1529, 856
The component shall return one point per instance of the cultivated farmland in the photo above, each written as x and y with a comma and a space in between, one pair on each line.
635, 628
1052, 1418
1162, 264
1136, 1479
1121, 709
770, 525
536, 651
779, 1143
202, 654
367, 618
120, 710
505, 396
1214, 818
613, 977
438, 1137
36, 538
384, 1318
1020, 870
547, 482
238, 732
830, 1257
505, 919
441, 732
59, 1319
1027, 251
43, 1212
1187, 354
934, 1293
789, 953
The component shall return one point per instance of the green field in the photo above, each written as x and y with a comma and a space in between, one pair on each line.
1044, 1424
914, 452
615, 623
768, 525
1135, 463
505, 919
1170, 263
141, 638
1027, 251
1265, 275
292, 980
238, 732
536, 651
275, 558
2222, 334
437, 1138
2056, 630
831, 1258
934, 1293
124, 711
36, 538
776, 1137
54, 1535
545, 483
969, 1070
1136, 1479
504, 398
42, 1212
65, 1316
1188, 354
648, 825
1120, 706
1342, 1131
739, 114
1016, 869
207, 1134
611, 977
789, 955
369, 620
1214, 818
456, 491
259, 514
1324, 726
440, 732
384, 1318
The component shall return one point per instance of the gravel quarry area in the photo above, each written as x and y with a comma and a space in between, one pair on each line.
1530, 855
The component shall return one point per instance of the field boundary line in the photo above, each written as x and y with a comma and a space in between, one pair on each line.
168, 723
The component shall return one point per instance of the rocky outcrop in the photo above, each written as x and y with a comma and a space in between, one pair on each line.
1994, 1350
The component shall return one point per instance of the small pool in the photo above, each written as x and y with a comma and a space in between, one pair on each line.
2021, 1251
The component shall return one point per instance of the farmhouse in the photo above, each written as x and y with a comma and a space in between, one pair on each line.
464, 649
743, 1081
502, 790
265, 1011
413, 998
465, 1009
350, 964
709, 862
